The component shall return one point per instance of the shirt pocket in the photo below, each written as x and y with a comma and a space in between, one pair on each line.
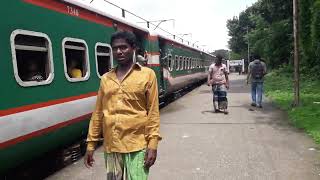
134, 91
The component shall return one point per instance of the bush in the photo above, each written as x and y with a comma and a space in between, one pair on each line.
279, 87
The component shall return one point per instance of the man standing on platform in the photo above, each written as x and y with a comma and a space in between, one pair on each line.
126, 115
219, 80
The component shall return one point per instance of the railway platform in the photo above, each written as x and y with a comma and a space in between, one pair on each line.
246, 144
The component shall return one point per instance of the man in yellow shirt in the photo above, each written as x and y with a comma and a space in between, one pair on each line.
73, 71
126, 114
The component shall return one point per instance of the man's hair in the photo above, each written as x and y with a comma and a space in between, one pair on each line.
129, 37
256, 56
219, 57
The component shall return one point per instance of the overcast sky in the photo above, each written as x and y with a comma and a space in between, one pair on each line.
204, 19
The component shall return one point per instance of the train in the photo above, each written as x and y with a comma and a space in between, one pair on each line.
45, 36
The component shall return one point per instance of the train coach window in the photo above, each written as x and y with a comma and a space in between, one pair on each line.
188, 63
184, 63
192, 63
104, 59
76, 59
169, 63
176, 64
186, 67
172, 64
31, 57
180, 63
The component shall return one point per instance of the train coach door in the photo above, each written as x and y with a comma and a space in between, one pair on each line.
141, 48
162, 59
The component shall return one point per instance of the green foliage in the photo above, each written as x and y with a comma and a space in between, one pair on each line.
236, 42
279, 46
234, 55
278, 87
259, 37
309, 36
315, 36
305, 22
305, 118
269, 31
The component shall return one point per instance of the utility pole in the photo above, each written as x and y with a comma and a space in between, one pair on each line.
248, 44
296, 52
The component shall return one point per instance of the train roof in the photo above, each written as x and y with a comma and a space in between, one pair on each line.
126, 22
179, 43
102, 13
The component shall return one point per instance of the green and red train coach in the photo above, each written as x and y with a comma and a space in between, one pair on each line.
37, 116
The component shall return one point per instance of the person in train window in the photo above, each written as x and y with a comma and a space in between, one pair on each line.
127, 115
219, 80
73, 70
141, 57
33, 72
141, 60
166, 73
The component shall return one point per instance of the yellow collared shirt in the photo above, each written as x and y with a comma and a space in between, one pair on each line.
76, 73
126, 112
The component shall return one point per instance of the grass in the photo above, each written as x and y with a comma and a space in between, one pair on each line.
279, 87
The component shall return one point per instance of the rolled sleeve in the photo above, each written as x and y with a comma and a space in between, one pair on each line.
91, 146
153, 143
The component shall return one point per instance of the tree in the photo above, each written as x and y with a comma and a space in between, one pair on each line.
269, 24
315, 37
